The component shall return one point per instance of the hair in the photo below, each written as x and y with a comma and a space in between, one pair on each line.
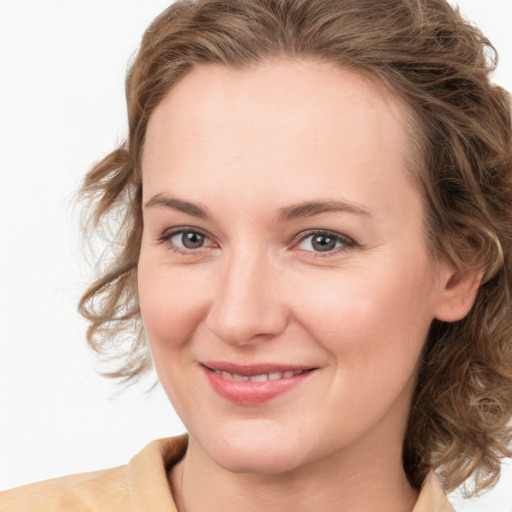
440, 65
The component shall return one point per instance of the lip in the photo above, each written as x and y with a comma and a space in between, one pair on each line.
249, 393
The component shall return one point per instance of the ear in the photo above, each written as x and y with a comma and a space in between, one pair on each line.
458, 291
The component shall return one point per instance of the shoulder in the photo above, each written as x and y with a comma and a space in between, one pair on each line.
140, 485
432, 496
97, 490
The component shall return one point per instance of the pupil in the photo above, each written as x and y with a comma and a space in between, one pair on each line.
192, 240
323, 243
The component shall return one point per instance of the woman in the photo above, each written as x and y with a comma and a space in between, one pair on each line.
315, 242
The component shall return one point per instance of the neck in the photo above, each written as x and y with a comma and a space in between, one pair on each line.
343, 481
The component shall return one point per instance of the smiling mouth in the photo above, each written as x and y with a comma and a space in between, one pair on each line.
251, 385
262, 371
260, 377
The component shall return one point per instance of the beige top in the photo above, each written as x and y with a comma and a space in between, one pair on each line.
141, 486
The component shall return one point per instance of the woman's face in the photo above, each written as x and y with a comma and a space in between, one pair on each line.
284, 281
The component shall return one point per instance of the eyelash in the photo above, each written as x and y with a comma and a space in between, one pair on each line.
165, 238
347, 242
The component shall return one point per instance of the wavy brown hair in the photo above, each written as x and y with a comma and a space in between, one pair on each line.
439, 64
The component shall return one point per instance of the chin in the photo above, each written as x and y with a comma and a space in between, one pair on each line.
270, 463
256, 454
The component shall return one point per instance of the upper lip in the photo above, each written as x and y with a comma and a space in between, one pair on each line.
253, 369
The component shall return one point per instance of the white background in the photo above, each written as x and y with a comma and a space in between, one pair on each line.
62, 67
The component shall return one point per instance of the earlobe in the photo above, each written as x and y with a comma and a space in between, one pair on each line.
458, 295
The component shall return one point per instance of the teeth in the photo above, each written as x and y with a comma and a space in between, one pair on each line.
262, 377
237, 376
259, 378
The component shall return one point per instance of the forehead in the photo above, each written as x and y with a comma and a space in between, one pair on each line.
214, 94
300, 120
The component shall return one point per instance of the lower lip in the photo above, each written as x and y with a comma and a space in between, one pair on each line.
252, 393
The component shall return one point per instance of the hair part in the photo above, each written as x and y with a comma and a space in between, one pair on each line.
461, 158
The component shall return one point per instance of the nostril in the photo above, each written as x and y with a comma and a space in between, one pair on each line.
241, 325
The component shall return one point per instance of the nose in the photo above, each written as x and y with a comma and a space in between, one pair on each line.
248, 304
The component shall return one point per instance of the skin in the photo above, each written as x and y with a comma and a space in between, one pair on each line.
244, 144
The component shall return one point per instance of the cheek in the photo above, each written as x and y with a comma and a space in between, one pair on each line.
169, 303
171, 312
374, 329
370, 319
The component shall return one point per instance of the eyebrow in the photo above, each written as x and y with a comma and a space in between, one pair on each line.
180, 205
310, 208
287, 213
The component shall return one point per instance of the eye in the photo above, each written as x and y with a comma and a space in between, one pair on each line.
188, 239
326, 242
185, 240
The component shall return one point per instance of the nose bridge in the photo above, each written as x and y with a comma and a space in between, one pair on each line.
247, 302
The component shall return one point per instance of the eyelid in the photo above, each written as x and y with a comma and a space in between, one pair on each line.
171, 232
347, 242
